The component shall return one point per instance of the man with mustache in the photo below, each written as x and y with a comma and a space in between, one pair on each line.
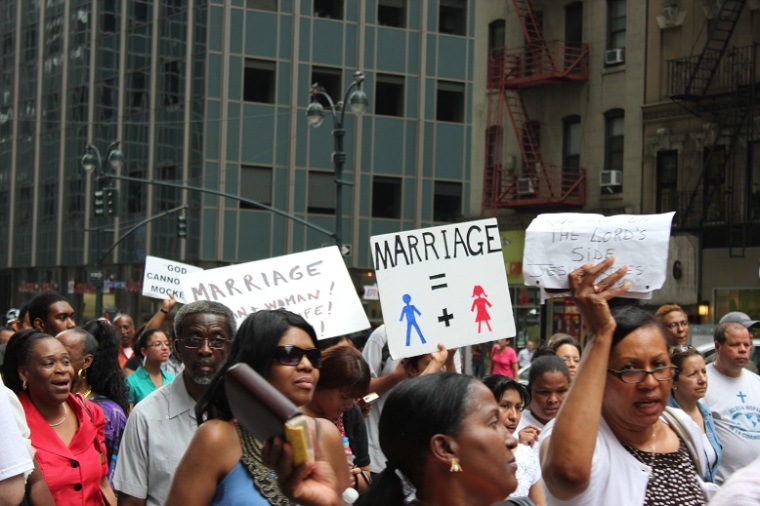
160, 428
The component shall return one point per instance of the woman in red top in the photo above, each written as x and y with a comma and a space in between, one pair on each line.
504, 359
66, 431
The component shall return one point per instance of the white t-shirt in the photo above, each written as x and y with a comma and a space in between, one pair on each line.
528, 470
14, 457
735, 406
742, 489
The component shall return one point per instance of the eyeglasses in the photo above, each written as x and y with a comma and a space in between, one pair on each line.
159, 344
681, 349
633, 376
292, 355
215, 343
677, 325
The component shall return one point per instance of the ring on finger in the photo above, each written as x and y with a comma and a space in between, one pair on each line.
597, 288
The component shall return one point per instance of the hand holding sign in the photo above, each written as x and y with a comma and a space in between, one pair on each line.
557, 244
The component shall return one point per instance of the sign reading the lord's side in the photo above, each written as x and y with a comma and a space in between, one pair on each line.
444, 285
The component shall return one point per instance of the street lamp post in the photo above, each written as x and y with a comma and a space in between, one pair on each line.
105, 202
315, 113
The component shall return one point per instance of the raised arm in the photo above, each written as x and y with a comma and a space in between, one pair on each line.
158, 319
566, 461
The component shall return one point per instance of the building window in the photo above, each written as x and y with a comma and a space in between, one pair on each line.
497, 32
614, 135
30, 46
330, 81
452, 17
450, 102
386, 197
168, 198
391, 13
667, 181
259, 81
389, 95
447, 201
79, 102
331, 9
321, 193
140, 98
255, 184
172, 75
571, 143
616, 24
135, 189
714, 160
262, 5
48, 201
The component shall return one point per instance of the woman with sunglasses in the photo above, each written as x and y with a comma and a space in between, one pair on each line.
689, 387
512, 398
613, 441
154, 347
223, 464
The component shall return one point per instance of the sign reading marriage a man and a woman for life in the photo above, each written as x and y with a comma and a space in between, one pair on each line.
443, 284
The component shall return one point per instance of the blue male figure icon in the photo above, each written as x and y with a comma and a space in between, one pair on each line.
410, 310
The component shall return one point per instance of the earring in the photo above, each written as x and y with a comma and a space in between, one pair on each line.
23, 385
455, 467
82, 374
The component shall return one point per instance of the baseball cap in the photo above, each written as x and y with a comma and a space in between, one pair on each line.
11, 315
739, 317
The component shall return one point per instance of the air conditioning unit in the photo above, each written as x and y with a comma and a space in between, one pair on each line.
614, 56
525, 186
611, 178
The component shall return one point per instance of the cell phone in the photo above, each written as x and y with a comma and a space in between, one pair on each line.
367, 399
265, 412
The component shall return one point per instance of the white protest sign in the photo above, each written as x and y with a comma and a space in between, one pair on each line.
314, 284
444, 285
557, 244
162, 278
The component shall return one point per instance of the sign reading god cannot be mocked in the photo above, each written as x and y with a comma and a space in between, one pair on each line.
557, 244
314, 284
162, 278
442, 285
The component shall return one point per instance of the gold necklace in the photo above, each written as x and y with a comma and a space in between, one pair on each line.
62, 419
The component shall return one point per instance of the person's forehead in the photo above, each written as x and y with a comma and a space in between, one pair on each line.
675, 314
737, 333
124, 320
61, 306
211, 321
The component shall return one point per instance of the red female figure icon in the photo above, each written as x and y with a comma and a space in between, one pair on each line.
481, 304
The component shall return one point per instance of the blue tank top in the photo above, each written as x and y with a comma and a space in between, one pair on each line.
238, 489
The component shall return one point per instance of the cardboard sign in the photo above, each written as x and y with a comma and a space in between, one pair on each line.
314, 284
557, 244
162, 278
444, 285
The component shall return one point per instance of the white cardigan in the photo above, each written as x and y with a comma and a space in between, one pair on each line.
616, 476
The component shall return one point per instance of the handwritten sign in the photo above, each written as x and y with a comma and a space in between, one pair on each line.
444, 285
557, 244
314, 284
162, 278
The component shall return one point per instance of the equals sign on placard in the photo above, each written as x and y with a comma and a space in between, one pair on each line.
434, 278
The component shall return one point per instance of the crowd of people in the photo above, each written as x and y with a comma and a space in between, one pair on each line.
107, 413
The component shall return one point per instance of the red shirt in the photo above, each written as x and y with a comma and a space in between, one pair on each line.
73, 473
503, 361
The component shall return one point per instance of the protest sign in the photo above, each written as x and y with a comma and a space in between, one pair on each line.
314, 284
162, 278
557, 244
444, 285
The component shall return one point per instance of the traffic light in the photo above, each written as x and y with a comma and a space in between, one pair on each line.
98, 202
111, 201
182, 226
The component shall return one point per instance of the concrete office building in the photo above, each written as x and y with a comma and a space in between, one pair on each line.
214, 94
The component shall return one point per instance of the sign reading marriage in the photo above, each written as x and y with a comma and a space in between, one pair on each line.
443, 285
314, 284
557, 244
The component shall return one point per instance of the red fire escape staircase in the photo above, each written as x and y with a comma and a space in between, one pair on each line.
510, 72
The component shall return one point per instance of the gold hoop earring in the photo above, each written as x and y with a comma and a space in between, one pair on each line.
455, 467
82, 373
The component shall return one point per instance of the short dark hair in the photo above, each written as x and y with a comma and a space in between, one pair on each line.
143, 338
499, 384
719, 336
18, 352
105, 374
39, 307
546, 364
566, 340
443, 401
344, 367
206, 307
23, 310
677, 358
632, 318
254, 344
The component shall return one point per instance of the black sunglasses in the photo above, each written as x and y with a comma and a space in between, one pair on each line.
292, 355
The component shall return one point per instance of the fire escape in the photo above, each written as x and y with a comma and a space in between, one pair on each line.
539, 64
720, 86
